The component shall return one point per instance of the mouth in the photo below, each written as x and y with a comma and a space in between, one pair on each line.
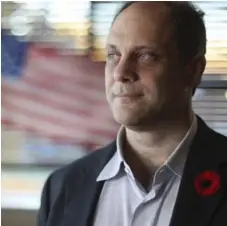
129, 95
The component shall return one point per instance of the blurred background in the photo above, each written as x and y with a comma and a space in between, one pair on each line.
53, 100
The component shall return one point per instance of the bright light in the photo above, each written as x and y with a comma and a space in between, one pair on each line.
20, 25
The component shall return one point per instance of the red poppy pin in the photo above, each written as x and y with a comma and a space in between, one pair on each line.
207, 183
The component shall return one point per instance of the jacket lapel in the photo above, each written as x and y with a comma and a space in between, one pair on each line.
192, 208
82, 193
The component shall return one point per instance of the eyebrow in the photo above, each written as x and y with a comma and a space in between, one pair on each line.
111, 46
136, 48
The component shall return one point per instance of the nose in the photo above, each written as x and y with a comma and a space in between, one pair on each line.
125, 73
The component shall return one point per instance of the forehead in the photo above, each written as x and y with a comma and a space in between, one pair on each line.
140, 24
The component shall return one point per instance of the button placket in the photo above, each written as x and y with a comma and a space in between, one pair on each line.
136, 212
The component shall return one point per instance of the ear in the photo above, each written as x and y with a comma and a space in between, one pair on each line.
195, 71
200, 64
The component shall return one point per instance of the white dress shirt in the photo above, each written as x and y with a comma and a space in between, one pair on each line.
124, 202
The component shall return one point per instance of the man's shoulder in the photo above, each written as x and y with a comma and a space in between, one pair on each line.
210, 137
86, 166
86, 163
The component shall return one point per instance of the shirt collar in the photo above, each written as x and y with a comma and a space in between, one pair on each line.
112, 168
175, 162
177, 159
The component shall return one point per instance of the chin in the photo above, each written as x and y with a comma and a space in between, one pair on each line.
130, 114
127, 119
135, 118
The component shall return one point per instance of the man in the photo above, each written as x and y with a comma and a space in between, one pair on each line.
166, 166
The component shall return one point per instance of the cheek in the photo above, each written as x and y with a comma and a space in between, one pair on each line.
156, 78
108, 83
151, 84
155, 91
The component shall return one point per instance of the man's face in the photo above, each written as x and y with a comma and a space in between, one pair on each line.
143, 75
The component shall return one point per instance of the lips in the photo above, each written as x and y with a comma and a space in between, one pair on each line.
129, 95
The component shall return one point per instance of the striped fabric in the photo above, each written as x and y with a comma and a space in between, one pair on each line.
59, 97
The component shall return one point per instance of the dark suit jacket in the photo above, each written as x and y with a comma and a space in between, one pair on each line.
70, 194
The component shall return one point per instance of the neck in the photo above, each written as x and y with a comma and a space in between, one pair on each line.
154, 145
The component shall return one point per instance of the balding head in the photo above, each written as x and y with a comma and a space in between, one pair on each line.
188, 23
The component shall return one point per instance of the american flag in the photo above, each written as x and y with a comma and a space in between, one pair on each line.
57, 96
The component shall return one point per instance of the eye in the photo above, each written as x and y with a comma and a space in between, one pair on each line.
113, 57
110, 55
147, 56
